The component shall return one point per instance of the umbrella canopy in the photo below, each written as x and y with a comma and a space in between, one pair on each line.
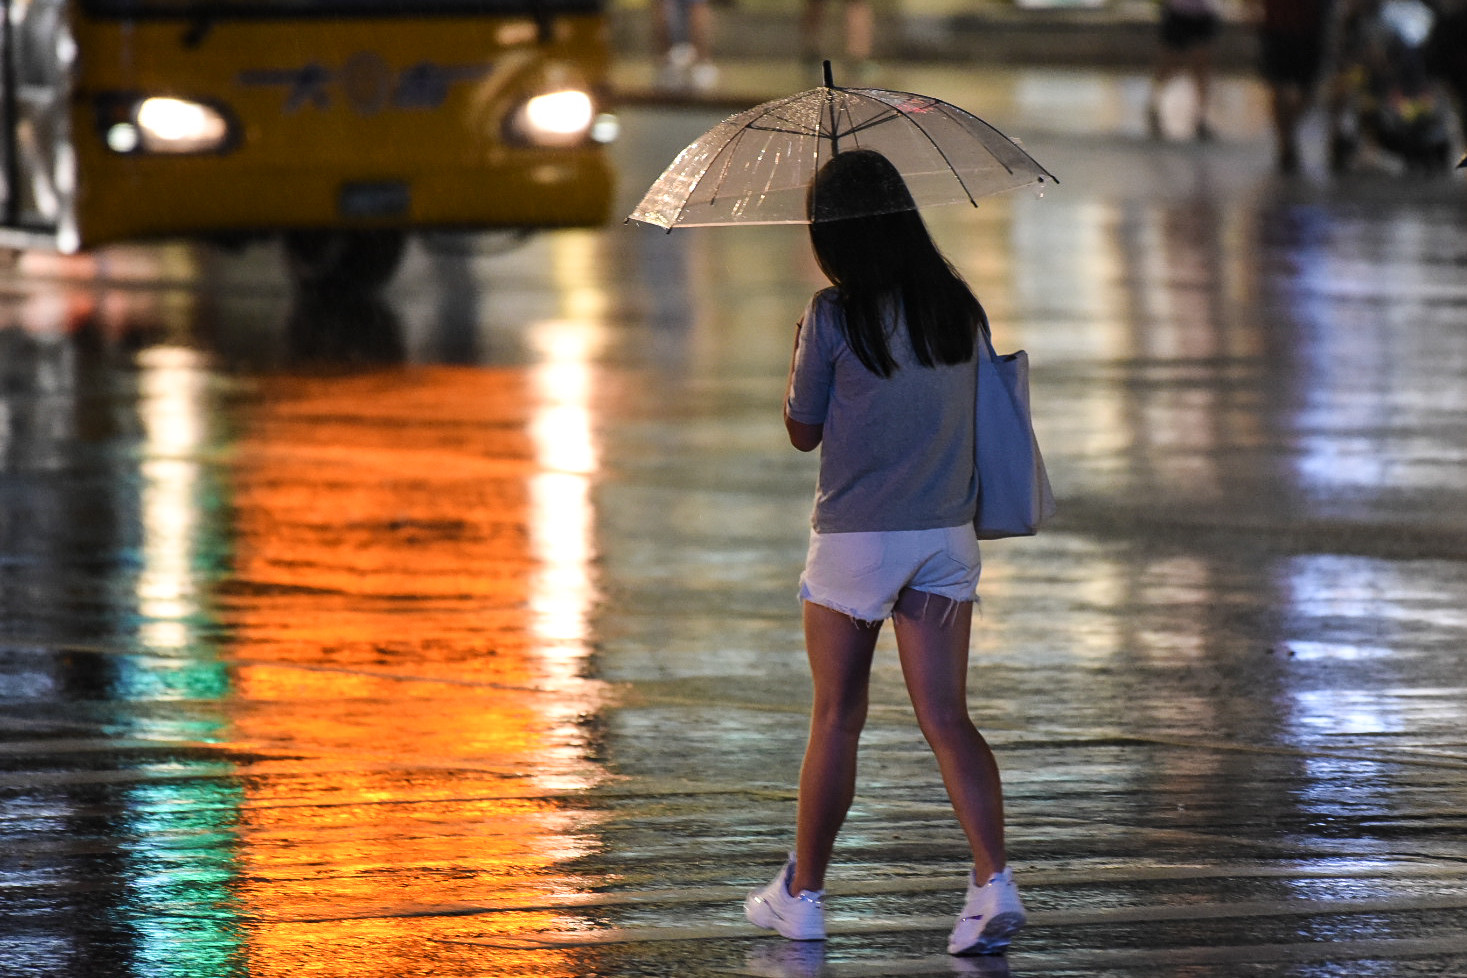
755, 167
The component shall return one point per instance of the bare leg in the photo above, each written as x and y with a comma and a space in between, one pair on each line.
932, 636
840, 652
1201, 68
662, 27
1168, 63
700, 29
811, 15
1289, 103
860, 29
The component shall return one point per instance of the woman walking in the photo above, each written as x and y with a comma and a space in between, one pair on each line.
882, 382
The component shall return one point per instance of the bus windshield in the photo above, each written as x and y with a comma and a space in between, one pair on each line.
229, 9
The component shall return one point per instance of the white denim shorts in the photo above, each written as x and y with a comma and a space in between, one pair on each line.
861, 574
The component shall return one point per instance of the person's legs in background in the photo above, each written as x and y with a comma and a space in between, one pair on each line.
859, 24
1187, 41
682, 31
1290, 65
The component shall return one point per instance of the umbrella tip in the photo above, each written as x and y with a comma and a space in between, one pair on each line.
829, 79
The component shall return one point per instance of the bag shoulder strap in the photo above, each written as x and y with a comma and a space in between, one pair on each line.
986, 334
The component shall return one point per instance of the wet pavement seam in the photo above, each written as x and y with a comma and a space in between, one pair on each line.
1081, 961
837, 925
254, 663
1038, 880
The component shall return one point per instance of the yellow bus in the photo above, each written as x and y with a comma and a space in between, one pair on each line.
340, 125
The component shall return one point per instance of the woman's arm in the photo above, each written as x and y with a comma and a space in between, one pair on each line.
805, 437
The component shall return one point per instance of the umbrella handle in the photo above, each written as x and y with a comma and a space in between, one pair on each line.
830, 103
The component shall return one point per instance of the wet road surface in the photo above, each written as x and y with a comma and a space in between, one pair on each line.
454, 633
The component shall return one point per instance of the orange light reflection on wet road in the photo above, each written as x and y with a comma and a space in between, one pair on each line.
420, 720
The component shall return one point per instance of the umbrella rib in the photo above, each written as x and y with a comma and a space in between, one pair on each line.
869, 123
768, 183
698, 182
815, 145
727, 152
796, 128
990, 129
962, 115
943, 153
876, 120
855, 128
803, 131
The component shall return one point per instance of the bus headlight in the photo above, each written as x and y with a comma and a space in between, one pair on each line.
553, 119
163, 124
606, 128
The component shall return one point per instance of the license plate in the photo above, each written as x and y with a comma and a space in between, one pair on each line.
385, 198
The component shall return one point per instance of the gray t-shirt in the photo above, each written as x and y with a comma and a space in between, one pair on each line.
896, 452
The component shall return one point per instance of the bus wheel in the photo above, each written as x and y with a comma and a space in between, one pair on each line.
343, 259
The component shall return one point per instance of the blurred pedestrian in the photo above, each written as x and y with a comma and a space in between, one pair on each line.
883, 382
1447, 51
859, 24
683, 33
1292, 50
1188, 35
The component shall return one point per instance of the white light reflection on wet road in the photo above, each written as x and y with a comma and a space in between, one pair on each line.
171, 407
562, 521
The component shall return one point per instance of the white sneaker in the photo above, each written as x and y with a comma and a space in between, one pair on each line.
800, 917
682, 55
677, 64
703, 76
992, 914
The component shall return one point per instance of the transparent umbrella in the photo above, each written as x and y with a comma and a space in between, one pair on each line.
755, 166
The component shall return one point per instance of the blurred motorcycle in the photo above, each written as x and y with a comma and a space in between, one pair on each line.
1386, 95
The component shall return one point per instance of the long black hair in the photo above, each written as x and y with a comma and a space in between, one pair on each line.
884, 256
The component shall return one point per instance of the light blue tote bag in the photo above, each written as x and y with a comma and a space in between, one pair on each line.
1014, 496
